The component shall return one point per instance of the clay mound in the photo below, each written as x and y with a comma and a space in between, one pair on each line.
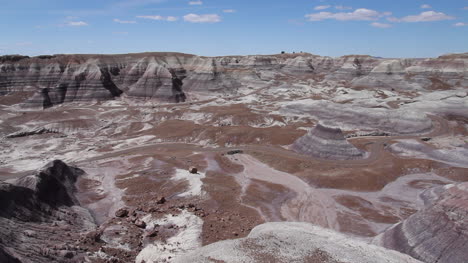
34, 211
439, 232
327, 143
293, 242
54, 184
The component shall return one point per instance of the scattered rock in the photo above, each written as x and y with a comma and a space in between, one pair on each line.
122, 212
235, 152
161, 200
66, 254
29, 233
153, 233
140, 223
193, 170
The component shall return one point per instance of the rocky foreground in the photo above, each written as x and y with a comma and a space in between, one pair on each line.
169, 157
42, 221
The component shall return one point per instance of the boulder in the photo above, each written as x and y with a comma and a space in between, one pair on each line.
193, 170
122, 212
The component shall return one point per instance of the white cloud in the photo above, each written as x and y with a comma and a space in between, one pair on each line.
322, 7
77, 23
124, 21
209, 18
426, 6
195, 2
171, 18
427, 16
361, 14
229, 11
160, 18
381, 25
465, 8
459, 24
342, 7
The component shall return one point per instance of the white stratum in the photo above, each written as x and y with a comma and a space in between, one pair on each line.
187, 239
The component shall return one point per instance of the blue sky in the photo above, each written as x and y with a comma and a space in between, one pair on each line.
386, 28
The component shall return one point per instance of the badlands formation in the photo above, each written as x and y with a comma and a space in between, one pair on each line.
292, 158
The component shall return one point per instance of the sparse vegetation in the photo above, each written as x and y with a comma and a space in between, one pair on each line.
12, 58
45, 56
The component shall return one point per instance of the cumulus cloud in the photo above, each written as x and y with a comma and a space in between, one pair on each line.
426, 6
160, 18
381, 25
77, 23
229, 11
361, 14
195, 2
208, 18
322, 7
124, 21
427, 16
460, 24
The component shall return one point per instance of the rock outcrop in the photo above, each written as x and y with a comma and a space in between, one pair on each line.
293, 242
40, 216
175, 76
327, 143
439, 232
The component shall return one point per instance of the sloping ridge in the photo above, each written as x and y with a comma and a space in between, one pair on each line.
327, 143
53, 185
437, 233
294, 242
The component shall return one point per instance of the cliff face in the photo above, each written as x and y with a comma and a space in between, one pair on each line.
175, 77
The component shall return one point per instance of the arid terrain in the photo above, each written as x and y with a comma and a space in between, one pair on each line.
298, 157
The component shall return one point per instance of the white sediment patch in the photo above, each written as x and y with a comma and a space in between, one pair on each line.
130, 177
196, 117
194, 181
113, 103
134, 141
186, 240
